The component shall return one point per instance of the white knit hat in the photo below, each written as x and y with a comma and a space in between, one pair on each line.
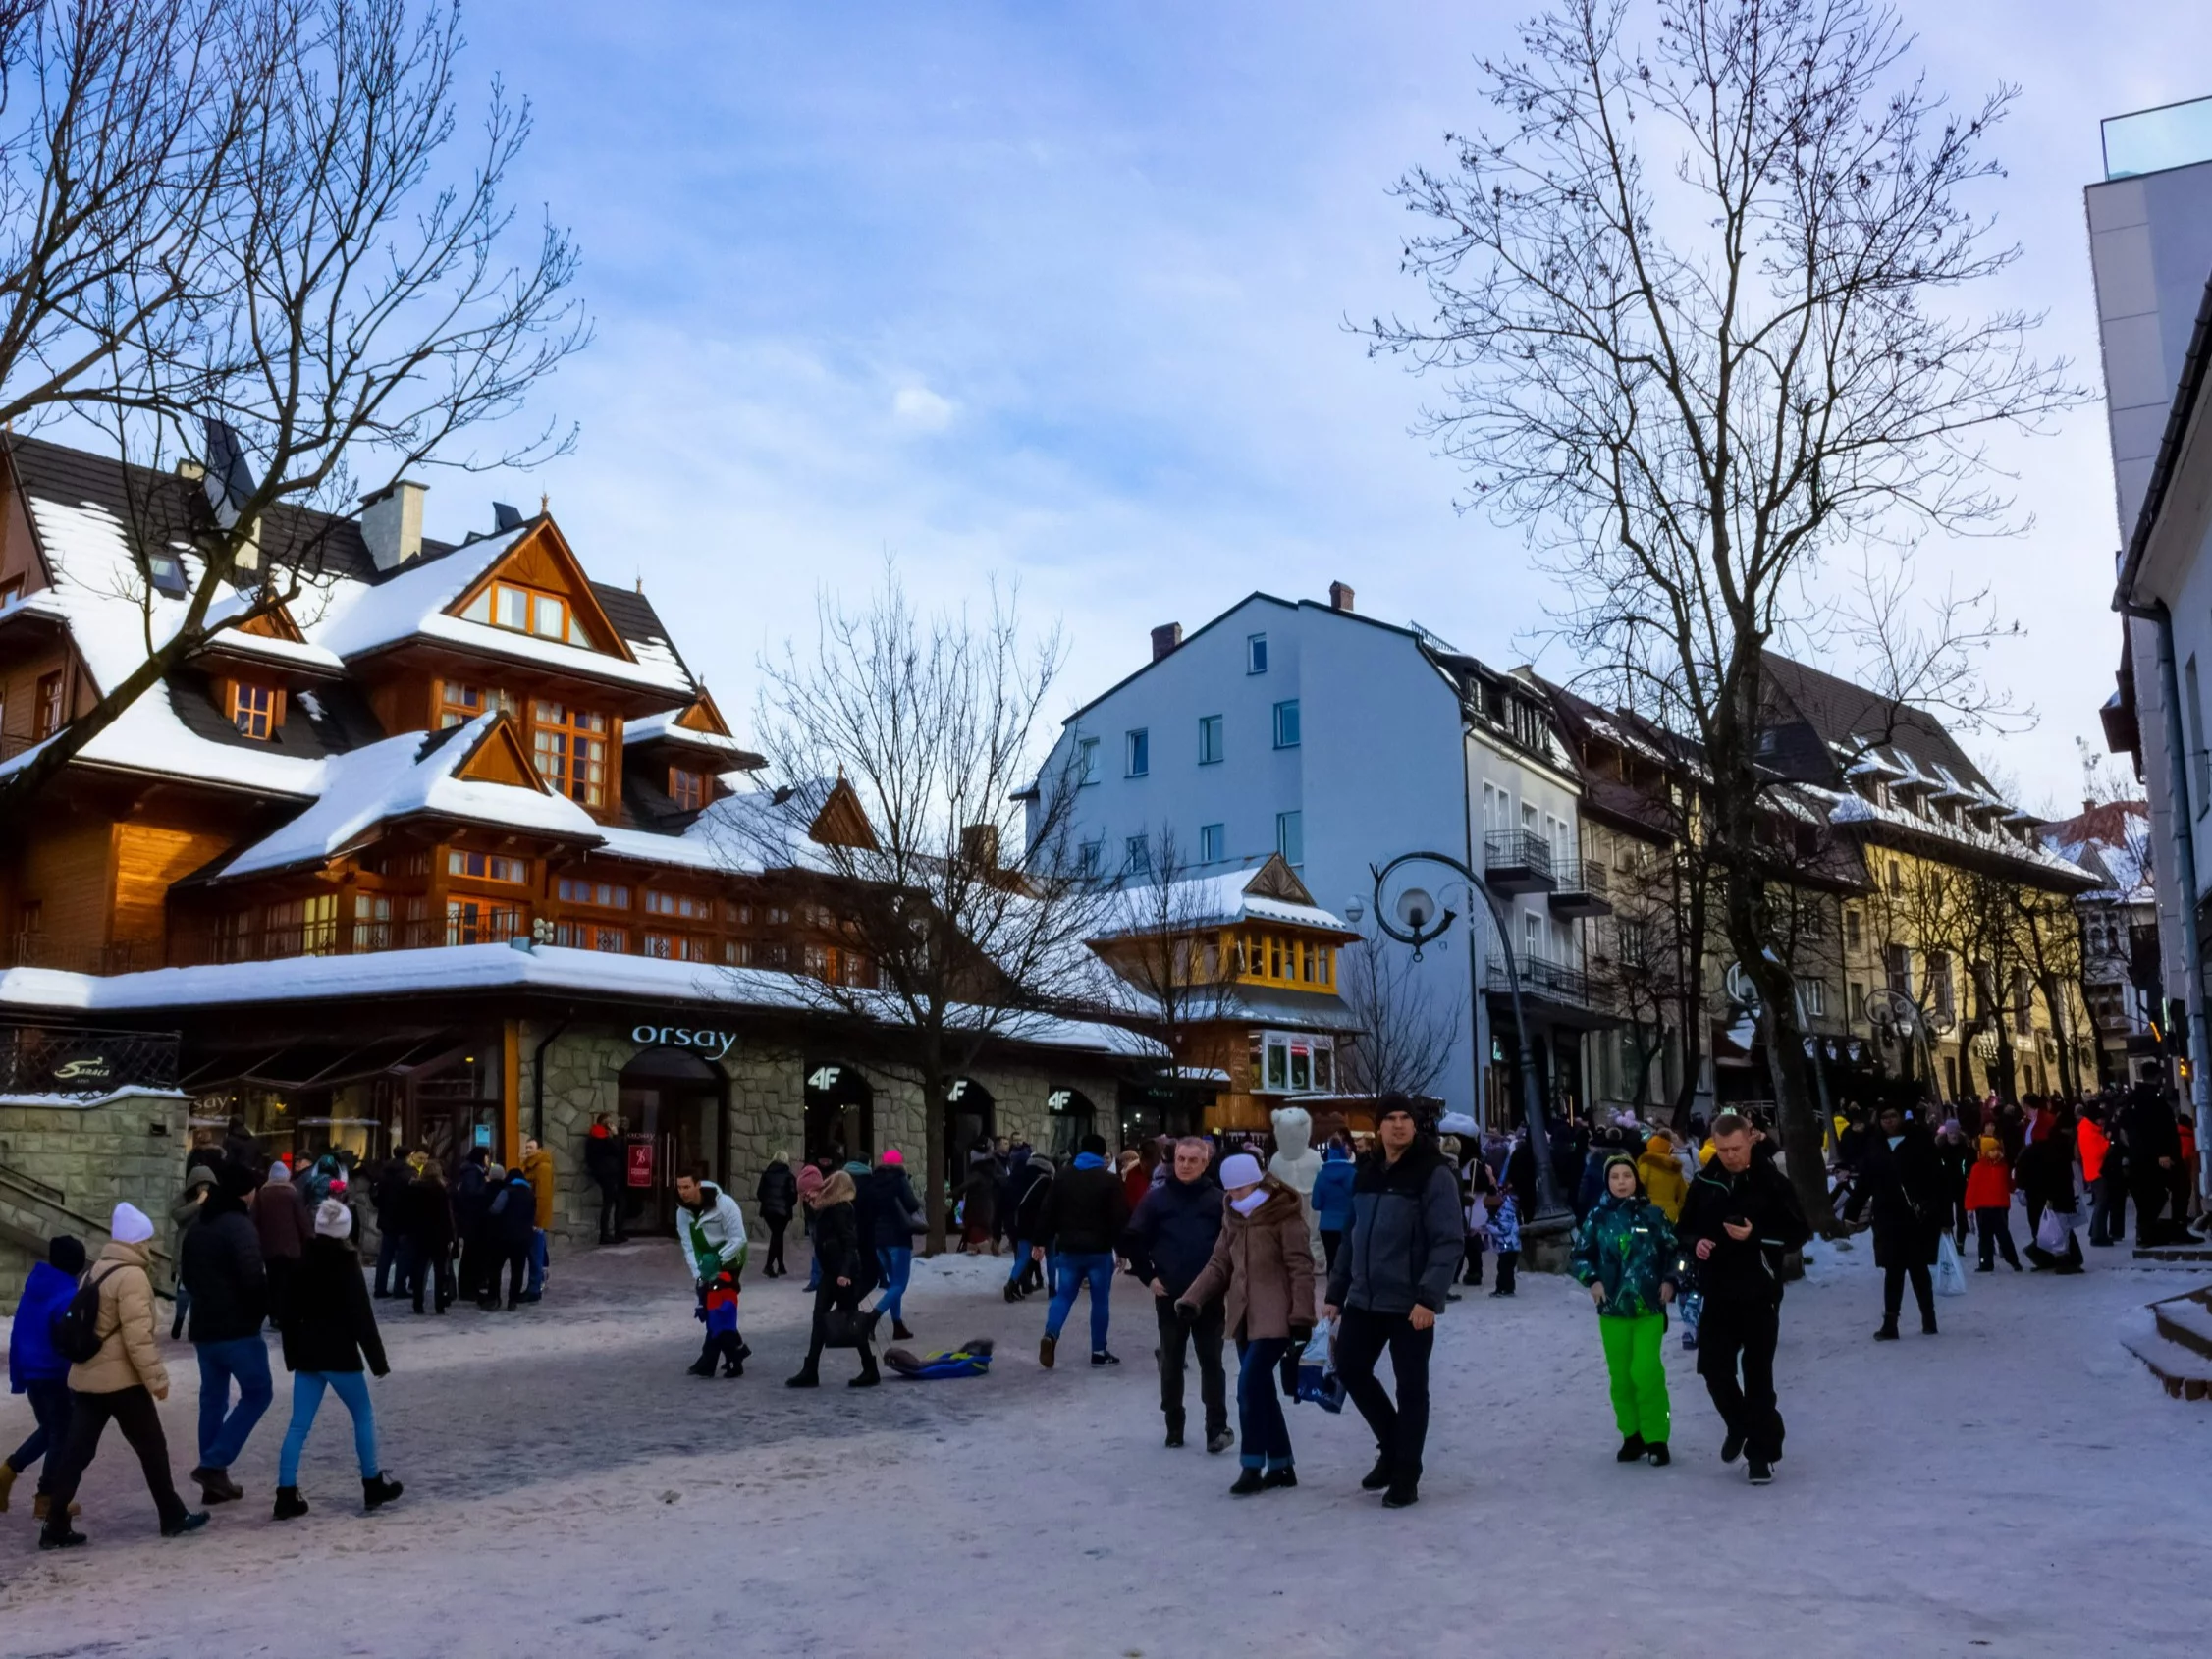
128, 1225
332, 1220
1240, 1170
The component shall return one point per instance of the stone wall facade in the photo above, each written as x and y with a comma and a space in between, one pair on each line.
64, 1168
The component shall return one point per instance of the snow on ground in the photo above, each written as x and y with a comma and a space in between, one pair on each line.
2017, 1486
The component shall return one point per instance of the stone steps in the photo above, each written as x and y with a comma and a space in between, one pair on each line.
2172, 1337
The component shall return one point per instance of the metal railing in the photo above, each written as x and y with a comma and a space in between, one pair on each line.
1582, 875
51, 1060
1548, 979
1517, 849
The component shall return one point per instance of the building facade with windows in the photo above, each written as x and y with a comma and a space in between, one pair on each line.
1304, 730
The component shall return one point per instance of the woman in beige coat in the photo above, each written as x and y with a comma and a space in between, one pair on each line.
122, 1381
1262, 1269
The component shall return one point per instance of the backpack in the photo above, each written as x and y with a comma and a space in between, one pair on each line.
77, 1331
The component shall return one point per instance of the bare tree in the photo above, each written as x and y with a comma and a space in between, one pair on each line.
351, 307
933, 725
1405, 1037
1160, 934
1692, 306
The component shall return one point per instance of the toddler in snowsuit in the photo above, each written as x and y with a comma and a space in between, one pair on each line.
1625, 1254
1504, 1231
719, 1309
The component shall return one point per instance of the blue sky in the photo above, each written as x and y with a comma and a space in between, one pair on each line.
1055, 293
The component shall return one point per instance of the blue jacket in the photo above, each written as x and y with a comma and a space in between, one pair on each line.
1172, 1235
31, 1353
1333, 1194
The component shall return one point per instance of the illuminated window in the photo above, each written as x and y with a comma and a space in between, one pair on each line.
503, 605
607, 895
676, 947
570, 746
680, 904
486, 866
591, 935
372, 922
482, 920
458, 705
302, 927
253, 709
687, 788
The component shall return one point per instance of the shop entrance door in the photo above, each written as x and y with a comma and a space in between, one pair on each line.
673, 1107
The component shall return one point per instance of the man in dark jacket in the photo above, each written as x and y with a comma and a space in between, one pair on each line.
1022, 1206
607, 1163
2154, 1151
1740, 1218
472, 1206
387, 1195
1903, 1183
1388, 1285
1083, 1214
1171, 1237
777, 1196
509, 1230
221, 1266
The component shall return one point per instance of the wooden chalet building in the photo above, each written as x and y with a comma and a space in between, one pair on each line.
451, 849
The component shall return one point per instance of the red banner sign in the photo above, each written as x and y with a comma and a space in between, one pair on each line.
640, 1160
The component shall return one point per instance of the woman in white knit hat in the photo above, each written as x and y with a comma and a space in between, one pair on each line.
122, 1380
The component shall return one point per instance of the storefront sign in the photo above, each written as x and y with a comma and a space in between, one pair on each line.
640, 1160
710, 1043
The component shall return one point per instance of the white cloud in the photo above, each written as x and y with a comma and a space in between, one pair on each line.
919, 409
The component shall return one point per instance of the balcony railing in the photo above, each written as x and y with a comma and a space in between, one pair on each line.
1585, 888
1517, 861
1546, 980
45, 1060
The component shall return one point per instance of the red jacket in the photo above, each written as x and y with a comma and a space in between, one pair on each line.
1989, 1183
2094, 1143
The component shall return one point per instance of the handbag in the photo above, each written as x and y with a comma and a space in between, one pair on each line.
1950, 1273
847, 1328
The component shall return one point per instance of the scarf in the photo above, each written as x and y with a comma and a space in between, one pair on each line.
1250, 1201
1088, 1160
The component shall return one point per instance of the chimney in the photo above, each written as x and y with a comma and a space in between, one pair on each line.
1340, 597
1165, 639
979, 845
392, 523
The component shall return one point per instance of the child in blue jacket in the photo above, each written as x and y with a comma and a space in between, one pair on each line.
35, 1366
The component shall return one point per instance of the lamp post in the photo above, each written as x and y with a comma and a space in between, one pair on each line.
1423, 927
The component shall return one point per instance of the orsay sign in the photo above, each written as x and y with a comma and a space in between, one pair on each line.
705, 1040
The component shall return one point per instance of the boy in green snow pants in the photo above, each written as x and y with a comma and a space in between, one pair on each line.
1625, 1253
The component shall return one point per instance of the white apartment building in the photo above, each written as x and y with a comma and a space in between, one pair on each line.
1341, 741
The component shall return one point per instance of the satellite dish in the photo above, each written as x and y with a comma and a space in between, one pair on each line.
1416, 909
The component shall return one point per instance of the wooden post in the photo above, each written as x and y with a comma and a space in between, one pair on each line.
511, 1091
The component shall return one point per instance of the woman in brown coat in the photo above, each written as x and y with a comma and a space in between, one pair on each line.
122, 1381
1262, 1269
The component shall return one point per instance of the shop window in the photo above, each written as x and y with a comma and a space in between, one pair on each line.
591, 935
483, 921
606, 896
486, 866
458, 705
687, 788
569, 747
680, 904
47, 713
506, 604
372, 922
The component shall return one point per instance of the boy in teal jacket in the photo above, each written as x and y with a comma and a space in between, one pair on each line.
1625, 1253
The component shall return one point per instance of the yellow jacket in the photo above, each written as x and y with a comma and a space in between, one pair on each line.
1663, 1182
537, 1169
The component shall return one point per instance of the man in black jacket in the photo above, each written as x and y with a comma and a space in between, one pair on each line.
607, 1162
2154, 1152
1740, 1218
1901, 1178
1388, 1285
221, 1268
1171, 1238
1083, 1214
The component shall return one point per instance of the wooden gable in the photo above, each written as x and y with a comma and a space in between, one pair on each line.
704, 715
542, 558
500, 757
274, 623
1275, 879
842, 821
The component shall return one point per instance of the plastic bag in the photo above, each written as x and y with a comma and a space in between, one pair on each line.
2053, 1230
1950, 1275
1318, 1381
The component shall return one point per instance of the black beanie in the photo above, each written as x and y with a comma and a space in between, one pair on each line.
67, 1252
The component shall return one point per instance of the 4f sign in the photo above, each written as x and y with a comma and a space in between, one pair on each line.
710, 1043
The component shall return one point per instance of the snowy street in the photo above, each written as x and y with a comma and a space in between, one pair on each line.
2018, 1485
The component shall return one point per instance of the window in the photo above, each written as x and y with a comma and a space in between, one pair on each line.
1900, 966
1209, 739
1529, 819
1532, 938
687, 788
1851, 930
1816, 996
1136, 856
1213, 842
1087, 760
591, 935
740, 914
1940, 992
1498, 810
607, 895
253, 709
372, 922
11, 590
1290, 838
524, 610
1256, 654
678, 947
2024, 1003
166, 572
487, 866
302, 927
1089, 856
1631, 942
48, 711
482, 920
458, 705
1286, 724
570, 746
1857, 1001
1896, 876
683, 905
1812, 922
1139, 752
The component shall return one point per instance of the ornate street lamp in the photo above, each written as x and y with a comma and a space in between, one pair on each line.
1424, 922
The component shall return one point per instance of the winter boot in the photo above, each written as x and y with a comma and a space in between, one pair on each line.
216, 1485
1631, 1449
1377, 1477
1284, 1477
1248, 1481
1401, 1495
1175, 1429
375, 1494
1012, 1291
1888, 1333
1657, 1451
288, 1503
899, 1332
7, 1480
1927, 1326
704, 1366
1044, 1350
192, 1523
66, 1538
1103, 1357
1761, 1471
807, 1378
1220, 1442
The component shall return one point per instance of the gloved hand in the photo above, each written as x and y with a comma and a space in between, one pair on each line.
1186, 1312
1299, 1335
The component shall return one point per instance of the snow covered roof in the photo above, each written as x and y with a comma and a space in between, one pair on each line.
496, 967
663, 729
1223, 899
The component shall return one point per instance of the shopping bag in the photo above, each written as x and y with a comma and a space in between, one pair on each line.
2053, 1231
1318, 1381
1950, 1276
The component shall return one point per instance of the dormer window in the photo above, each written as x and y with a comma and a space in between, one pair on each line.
503, 605
256, 710
458, 705
687, 788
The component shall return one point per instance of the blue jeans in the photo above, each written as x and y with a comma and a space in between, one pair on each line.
1071, 1271
897, 1263
1262, 1437
243, 1360
539, 1263
350, 1387
49, 1408
387, 1255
